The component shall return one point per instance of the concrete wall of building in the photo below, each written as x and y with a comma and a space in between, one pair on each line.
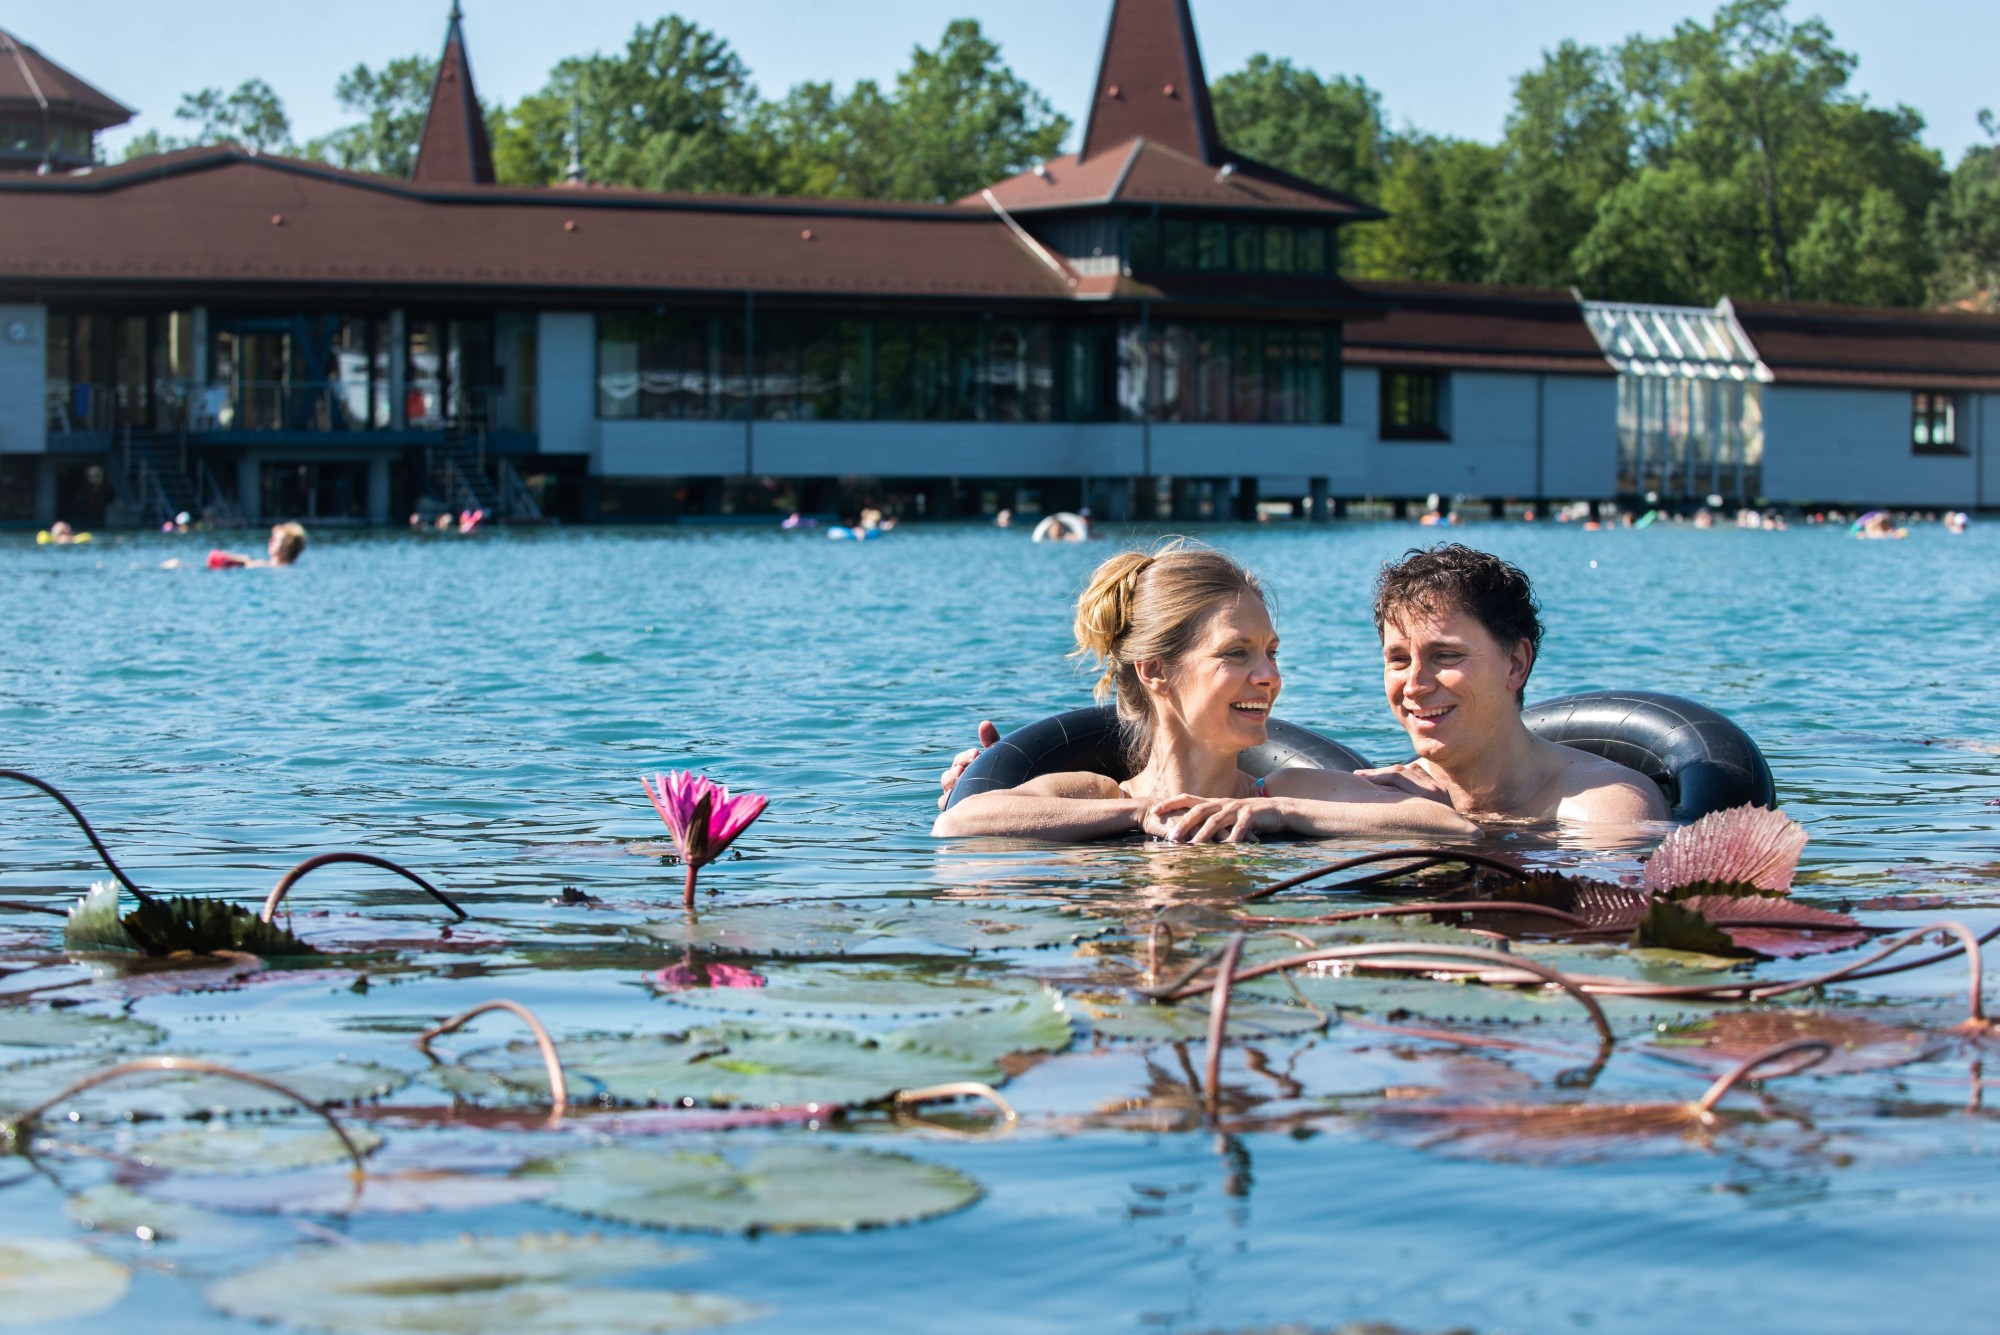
566, 382
1512, 433
24, 369
1986, 441
1852, 447
1580, 437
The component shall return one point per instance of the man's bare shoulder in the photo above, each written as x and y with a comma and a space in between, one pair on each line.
1595, 789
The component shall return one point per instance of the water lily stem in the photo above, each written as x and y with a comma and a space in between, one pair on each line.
687, 899
1218, 1021
297, 873
109, 865
1813, 1050
551, 1062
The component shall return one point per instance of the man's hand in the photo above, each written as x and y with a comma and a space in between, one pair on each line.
988, 735
1406, 778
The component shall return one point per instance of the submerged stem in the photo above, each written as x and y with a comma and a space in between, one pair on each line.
1218, 1020
551, 1063
1817, 1048
1421, 859
958, 1089
83, 824
298, 873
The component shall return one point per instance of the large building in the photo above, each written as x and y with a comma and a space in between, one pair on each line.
1154, 326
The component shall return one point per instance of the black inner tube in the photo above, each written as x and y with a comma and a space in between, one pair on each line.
1701, 761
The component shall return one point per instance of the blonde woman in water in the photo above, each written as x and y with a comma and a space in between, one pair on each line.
1187, 647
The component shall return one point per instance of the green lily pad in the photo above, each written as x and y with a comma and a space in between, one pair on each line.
173, 1094
233, 1150
44, 1280
21, 1027
332, 1190
1039, 1023
723, 1066
1150, 1022
785, 1189
112, 1209
876, 927
465, 1285
860, 991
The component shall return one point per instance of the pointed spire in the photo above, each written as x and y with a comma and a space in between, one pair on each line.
453, 149
1150, 83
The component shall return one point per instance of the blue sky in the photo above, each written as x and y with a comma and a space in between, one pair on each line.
1443, 65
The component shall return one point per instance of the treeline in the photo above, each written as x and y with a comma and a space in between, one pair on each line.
1727, 158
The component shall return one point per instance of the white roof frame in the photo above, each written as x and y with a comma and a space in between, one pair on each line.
1675, 342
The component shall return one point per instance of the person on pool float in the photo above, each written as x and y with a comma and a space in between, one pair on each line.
1186, 644
1460, 633
287, 544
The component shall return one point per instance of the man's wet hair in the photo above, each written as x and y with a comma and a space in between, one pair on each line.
1451, 577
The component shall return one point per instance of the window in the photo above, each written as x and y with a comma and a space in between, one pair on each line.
1413, 406
1934, 423
1212, 246
1284, 374
1178, 250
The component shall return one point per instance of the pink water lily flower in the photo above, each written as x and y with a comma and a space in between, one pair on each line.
692, 973
701, 815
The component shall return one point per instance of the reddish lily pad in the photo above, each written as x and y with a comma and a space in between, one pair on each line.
1858, 1043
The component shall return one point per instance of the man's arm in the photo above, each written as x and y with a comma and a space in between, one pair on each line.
988, 735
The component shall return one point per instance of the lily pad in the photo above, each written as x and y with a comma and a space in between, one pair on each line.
1138, 1021
861, 991
233, 1151
785, 1189
877, 927
44, 1280
1039, 1023
1859, 1043
524, 1284
724, 1066
112, 1209
332, 1190
21, 1027
171, 1094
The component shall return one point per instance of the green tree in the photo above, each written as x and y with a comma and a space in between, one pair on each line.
1434, 190
1964, 228
958, 120
392, 104
1568, 143
252, 116
666, 114
1325, 130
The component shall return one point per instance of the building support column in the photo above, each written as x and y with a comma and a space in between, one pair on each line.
1316, 500
399, 410
45, 492
198, 355
250, 488
378, 490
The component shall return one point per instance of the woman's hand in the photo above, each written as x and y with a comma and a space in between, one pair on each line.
1187, 819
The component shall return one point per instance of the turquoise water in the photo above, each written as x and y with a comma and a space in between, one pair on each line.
480, 710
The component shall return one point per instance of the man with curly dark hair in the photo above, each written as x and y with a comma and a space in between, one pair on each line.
1460, 633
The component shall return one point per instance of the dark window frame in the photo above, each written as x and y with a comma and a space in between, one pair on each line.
1934, 412
1414, 405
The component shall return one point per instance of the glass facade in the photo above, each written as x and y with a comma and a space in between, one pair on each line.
1413, 405
1686, 439
108, 371
824, 368
1184, 243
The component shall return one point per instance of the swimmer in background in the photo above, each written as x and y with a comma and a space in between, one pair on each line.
60, 534
287, 544
1956, 521
1005, 519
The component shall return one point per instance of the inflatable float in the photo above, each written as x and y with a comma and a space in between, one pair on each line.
1062, 526
1701, 760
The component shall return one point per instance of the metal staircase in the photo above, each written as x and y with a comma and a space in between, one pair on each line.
156, 480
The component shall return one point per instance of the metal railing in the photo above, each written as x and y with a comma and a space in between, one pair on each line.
516, 501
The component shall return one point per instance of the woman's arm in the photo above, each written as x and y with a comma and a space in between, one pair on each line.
1311, 802
1072, 807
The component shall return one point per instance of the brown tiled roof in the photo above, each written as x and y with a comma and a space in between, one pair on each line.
453, 149
1143, 171
1150, 84
219, 215
28, 79
1874, 347
1471, 327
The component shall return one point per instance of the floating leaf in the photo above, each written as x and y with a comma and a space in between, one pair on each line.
875, 927
785, 1189
1780, 928
186, 1093
198, 926
861, 991
1858, 1043
1670, 926
724, 1066
21, 1027
1553, 1132
333, 1190
1034, 1024
112, 1209
1748, 844
464, 1285
1120, 1018
232, 1150
44, 1280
